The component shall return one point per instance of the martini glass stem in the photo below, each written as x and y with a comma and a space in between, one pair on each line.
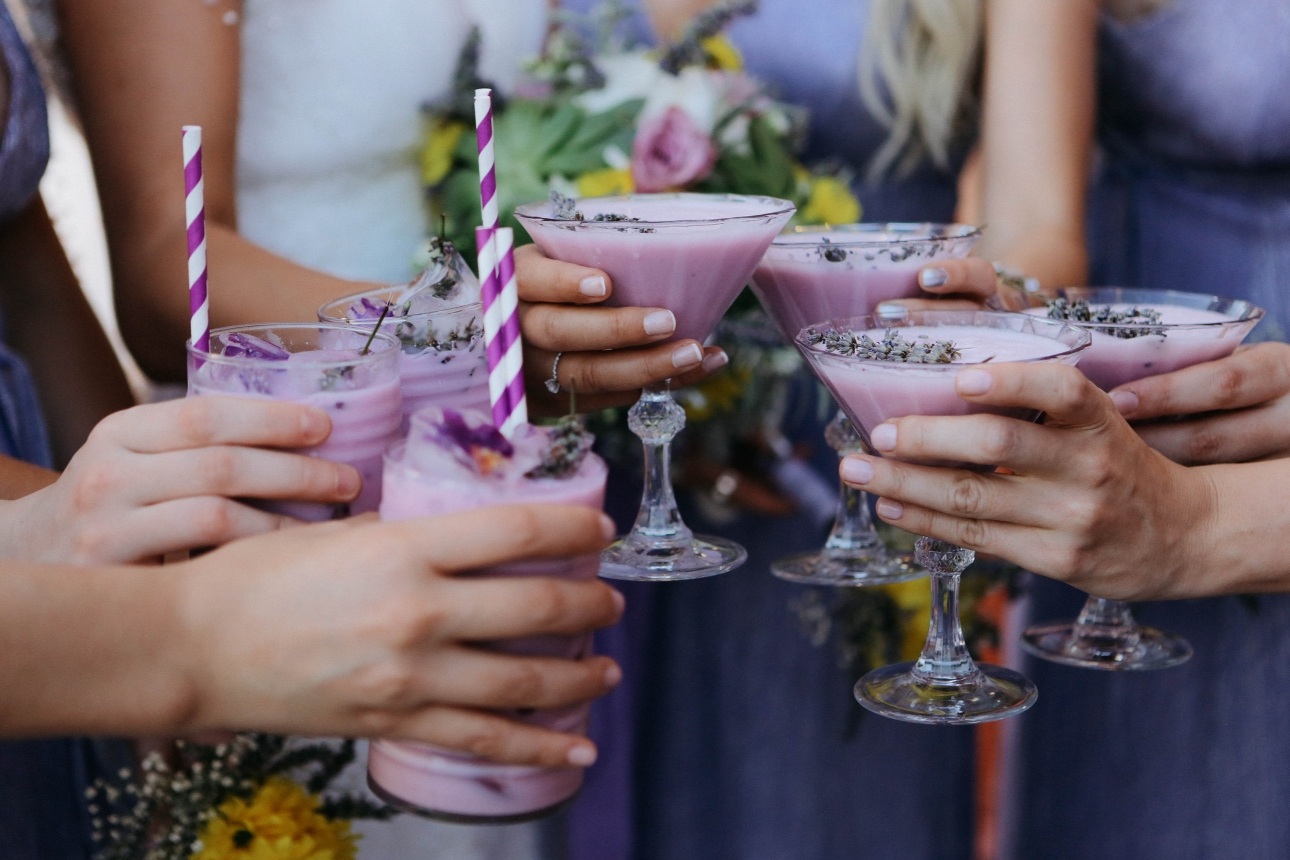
656, 419
1106, 625
945, 660
853, 530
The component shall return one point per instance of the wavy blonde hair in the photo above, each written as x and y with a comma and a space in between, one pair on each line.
919, 70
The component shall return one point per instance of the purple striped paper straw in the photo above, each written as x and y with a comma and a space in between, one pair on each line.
195, 208
508, 303
490, 291
487, 164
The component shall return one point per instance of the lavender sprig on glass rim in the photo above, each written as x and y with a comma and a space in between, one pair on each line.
418, 337
1127, 323
892, 347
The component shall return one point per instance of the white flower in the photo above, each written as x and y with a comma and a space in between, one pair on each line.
636, 75
627, 76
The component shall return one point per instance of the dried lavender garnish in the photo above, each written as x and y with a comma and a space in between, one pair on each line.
569, 444
613, 217
241, 345
564, 208
1118, 323
833, 253
892, 347
689, 50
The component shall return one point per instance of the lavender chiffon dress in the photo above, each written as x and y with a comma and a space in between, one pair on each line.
735, 737
1194, 194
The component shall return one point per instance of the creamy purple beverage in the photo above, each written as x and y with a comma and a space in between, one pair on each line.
454, 462
350, 374
812, 274
1139, 333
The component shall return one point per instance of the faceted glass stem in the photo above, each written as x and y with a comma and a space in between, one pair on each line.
656, 419
1107, 626
945, 660
853, 530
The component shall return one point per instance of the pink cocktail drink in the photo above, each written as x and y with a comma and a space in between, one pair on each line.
1150, 332
432, 474
880, 368
350, 374
442, 359
812, 274
689, 253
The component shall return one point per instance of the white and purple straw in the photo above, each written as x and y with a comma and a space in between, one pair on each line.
195, 206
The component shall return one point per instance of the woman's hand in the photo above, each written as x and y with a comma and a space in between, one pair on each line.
1083, 500
1237, 408
163, 478
360, 628
606, 354
960, 284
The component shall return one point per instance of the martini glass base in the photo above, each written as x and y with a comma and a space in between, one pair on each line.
878, 567
628, 558
992, 693
1058, 643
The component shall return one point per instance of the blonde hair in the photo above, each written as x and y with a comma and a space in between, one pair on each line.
919, 65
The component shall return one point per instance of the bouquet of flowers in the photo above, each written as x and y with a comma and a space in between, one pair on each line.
254, 796
597, 116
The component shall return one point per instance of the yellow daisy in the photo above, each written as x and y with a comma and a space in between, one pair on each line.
281, 822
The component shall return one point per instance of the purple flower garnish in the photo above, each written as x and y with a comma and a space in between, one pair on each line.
482, 447
243, 345
366, 309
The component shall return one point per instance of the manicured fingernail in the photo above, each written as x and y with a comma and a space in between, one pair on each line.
883, 437
314, 425
660, 322
715, 361
973, 382
891, 310
932, 276
607, 528
583, 755
687, 356
857, 471
613, 675
348, 482
1125, 401
889, 510
593, 286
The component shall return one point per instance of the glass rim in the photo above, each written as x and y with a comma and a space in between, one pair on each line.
325, 318
912, 319
1250, 313
851, 235
391, 345
777, 206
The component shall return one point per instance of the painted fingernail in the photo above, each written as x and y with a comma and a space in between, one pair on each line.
932, 276
613, 675
660, 322
607, 528
889, 510
883, 437
974, 382
583, 755
348, 482
857, 471
715, 361
687, 356
891, 310
593, 286
1125, 401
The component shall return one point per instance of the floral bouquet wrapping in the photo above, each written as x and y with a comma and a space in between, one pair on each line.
596, 116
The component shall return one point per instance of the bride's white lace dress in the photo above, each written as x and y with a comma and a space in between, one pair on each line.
327, 175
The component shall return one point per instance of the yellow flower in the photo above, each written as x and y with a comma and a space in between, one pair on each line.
722, 53
915, 601
436, 156
281, 822
605, 182
830, 202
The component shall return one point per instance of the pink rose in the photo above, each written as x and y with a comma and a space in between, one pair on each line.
670, 152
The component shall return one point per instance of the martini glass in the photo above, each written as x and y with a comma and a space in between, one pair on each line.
691, 254
1192, 328
820, 273
944, 685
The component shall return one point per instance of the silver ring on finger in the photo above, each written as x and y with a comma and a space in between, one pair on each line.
553, 384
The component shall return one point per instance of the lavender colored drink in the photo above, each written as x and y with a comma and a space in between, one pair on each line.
812, 274
442, 360
451, 463
336, 368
